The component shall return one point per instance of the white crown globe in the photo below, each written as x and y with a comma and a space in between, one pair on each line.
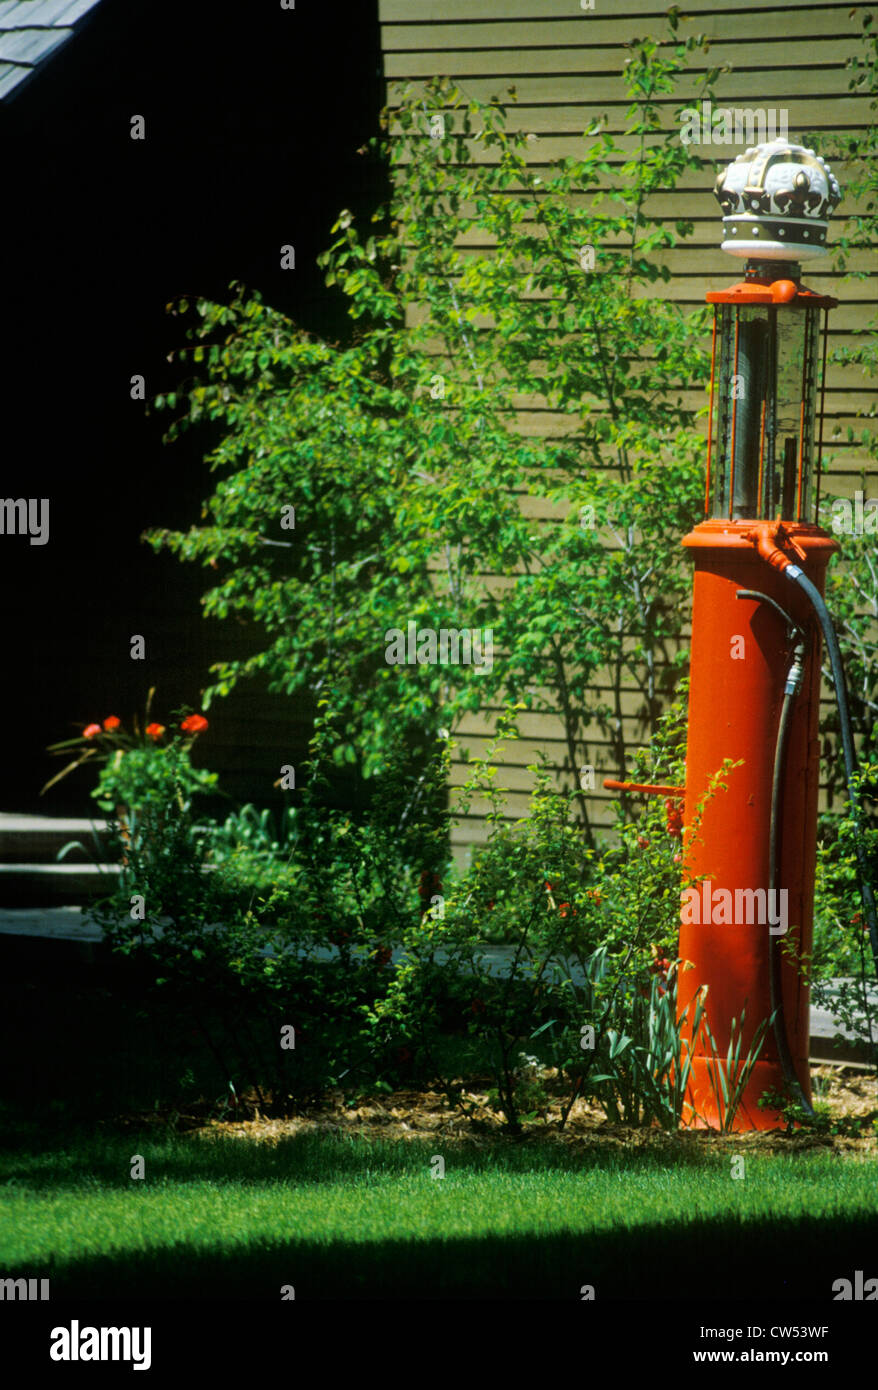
776, 200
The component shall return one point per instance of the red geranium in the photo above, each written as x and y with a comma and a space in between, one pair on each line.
194, 724
91, 731
155, 730
112, 722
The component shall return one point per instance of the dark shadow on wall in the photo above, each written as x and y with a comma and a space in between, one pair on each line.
253, 117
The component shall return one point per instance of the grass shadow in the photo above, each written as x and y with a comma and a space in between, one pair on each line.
714, 1260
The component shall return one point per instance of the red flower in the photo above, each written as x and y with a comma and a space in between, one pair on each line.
642, 841
595, 894
111, 722
674, 819
564, 908
660, 967
194, 724
155, 730
91, 731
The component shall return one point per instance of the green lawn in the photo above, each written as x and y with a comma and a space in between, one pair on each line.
343, 1217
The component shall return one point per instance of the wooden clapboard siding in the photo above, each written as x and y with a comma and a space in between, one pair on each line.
479, 36
541, 13
565, 65
574, 57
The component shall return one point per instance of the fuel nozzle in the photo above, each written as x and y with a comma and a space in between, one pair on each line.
796, 672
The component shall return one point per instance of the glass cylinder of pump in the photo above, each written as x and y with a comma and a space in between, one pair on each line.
766, 401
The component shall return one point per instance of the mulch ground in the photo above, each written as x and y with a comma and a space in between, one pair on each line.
852, 1096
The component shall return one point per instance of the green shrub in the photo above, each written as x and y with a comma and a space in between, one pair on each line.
399, 450
588, 985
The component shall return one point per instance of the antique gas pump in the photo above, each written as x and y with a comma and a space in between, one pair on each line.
757, 617
760, 563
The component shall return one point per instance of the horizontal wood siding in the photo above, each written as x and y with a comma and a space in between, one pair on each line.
565, 65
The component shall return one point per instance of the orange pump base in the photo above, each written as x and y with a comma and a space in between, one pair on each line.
740, 660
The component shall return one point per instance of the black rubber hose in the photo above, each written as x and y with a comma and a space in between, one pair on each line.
766, 598
775, 975
798, 576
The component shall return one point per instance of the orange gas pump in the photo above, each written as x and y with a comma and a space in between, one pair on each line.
758, 617
746, 926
